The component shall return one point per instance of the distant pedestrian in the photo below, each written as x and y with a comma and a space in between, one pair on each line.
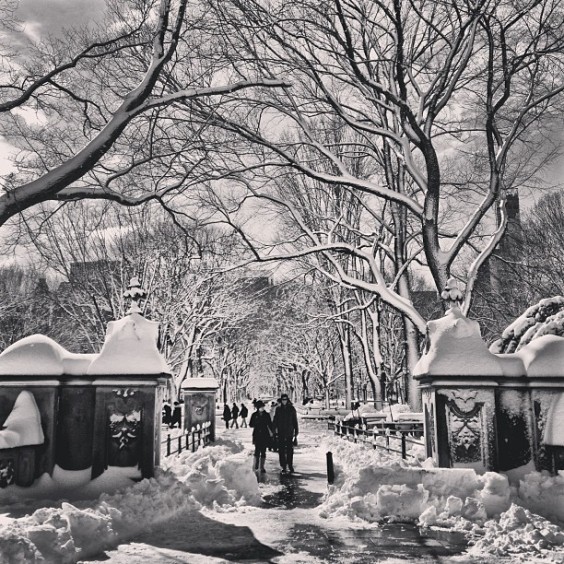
262, 434
234, 416
244, 413
274, 443
226, 415
167, 413
176, 418
286, 429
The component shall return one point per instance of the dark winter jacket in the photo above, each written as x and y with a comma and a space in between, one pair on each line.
286, 420
226, 413
234, 411
244, 411
262, 428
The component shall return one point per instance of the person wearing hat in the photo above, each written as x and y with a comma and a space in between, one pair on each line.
286, 429
262, 434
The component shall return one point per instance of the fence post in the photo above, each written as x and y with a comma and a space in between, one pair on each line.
168, 445
330, 468
187, 446
179, 444
403, 447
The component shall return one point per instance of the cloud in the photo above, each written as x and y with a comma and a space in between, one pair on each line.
51, 17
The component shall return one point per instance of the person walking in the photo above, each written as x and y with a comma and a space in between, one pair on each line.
243, 414
176, 418
167, 413
262, 434
234, 415
286, 429
273, 447
226, 415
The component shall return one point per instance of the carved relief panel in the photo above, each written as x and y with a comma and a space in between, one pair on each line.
124, 414
468, 436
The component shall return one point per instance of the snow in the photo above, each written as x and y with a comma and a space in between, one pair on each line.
542, 318
371, 486
40, 355
456, 348
544, 356
197, 383
499, 518
130, 348
215, 477
23, 425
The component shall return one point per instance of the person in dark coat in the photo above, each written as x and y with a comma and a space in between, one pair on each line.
234, 415
262, 434
176, 418
243, 414
167, 413
226, 415
286, 429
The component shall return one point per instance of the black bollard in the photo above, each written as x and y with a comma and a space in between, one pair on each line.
330, 468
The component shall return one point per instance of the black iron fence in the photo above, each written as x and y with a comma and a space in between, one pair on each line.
199, 435
391, 438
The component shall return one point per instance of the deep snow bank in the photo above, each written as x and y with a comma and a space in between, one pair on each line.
215, 476
499, 519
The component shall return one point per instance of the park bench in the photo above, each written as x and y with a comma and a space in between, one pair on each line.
374, 420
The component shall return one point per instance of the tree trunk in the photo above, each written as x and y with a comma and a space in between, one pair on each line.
345, 350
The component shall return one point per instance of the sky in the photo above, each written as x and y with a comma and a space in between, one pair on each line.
41, 18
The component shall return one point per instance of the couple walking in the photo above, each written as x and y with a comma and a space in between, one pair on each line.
284, 426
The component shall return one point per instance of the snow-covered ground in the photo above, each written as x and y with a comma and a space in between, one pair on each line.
211, 498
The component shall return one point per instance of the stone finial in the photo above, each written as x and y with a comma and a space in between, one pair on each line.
135, 293
452, 294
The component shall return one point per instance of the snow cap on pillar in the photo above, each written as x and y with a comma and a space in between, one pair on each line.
200, 383
456, 348
130, 346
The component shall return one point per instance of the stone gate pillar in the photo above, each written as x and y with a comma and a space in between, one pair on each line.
487, 411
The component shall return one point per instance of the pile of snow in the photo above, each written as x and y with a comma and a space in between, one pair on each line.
374, 486
456, 348
521, 532
379, 487
215, 476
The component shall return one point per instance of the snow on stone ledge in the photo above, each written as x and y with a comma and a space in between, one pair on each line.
23, 425
40, 355
192, 383
130, 348
456, 348
544, 356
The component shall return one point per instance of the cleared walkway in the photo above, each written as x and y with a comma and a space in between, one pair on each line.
286, 527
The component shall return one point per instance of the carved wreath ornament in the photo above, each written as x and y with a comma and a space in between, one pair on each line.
124, 427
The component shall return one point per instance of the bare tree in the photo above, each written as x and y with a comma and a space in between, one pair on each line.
90, 111
423, 84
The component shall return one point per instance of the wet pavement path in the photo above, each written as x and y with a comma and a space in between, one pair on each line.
286, 527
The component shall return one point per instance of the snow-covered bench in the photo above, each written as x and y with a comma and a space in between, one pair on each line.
370, 421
